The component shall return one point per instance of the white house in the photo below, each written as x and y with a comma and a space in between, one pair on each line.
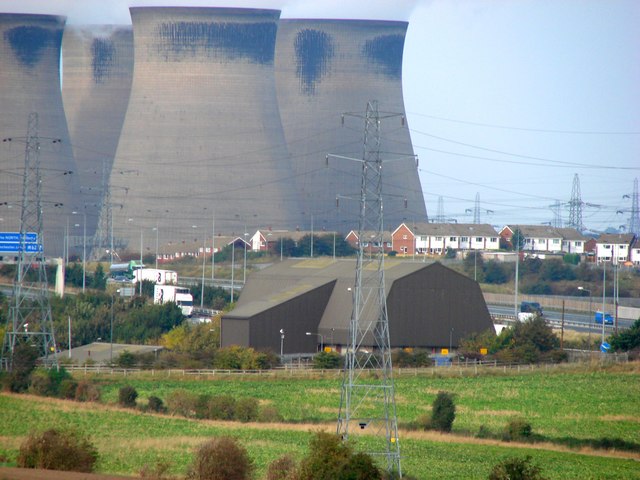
614, 248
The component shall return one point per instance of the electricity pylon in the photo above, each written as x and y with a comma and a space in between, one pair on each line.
30, 321
575, 206
367, 401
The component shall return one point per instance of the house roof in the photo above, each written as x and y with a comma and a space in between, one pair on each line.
616, 238
386, 235
453, 229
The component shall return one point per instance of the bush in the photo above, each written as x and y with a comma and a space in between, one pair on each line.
443, 413
327, 360
24, 362
87, 392
127, 396
516, 469
47, 382
155, 404
222, 407
331, 458
68, 388
126, 360
58, 450
181, 402
283, 468
221, 459
246, 410
517, 429
269, 414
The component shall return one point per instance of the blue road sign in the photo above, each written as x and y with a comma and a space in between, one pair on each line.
14, 237
15, 247
604, 347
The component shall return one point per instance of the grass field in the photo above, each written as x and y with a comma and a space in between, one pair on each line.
564, 404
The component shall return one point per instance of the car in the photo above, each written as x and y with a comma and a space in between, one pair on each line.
531, 307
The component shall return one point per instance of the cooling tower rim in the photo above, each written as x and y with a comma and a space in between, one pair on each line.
211, 10
346, 21
39, 17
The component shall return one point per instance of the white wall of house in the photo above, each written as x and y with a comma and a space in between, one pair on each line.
635, 256
573, 246
612, 252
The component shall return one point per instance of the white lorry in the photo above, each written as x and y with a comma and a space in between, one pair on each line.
181, 296
155, 275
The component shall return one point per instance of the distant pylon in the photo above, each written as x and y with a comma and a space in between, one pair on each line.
575, 206
634, 219
29, 321
557, 218
476, 210
440, 216
367, 399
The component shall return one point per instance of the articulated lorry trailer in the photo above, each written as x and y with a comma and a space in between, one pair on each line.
181, 296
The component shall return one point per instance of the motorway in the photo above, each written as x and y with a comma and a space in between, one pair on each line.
573, 320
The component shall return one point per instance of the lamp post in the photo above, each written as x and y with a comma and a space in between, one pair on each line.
589, 320
244, 262
604, 278
156, 230
233, 265
450, 339
84, 248
204, 257
111, 334
281, 343
321, 339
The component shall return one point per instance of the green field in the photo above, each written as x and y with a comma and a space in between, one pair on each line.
584, 405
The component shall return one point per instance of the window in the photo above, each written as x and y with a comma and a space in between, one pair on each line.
608, 247
556, 241
578, 244
478, 239
404, 237
452, 239
493, 239
464, 239
438, 239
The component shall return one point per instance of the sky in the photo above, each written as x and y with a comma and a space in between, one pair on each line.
507, 100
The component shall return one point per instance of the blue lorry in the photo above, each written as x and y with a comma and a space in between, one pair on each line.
608, 319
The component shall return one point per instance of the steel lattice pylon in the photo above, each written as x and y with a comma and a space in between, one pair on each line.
30, 319
367, 400
575, 206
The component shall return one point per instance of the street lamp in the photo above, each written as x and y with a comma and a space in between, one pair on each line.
281, 343
321, 339
589, 321
84, 247
156, 230
604, 278
233, 264
111, 335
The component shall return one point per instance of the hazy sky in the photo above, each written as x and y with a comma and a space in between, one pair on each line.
505, 98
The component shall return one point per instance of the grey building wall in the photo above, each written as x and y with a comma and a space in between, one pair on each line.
30, 83
323, 69
202, 133
97, 71
429, 306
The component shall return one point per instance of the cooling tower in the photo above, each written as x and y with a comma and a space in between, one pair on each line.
325, 68
30, 83
97, 71
202, 134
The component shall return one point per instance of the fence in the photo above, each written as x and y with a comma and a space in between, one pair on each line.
458, 368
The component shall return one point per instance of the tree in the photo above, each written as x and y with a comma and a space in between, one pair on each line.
555, 270
221, 458
58, 450
99, 279
496, 272
626, 340
516, 469
517, 240
443, 412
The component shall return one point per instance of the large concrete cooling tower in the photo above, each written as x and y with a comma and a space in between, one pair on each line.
202, 133
323, 69
97, 71
30, 83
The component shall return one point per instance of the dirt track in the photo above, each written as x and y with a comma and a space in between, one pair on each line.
31, 474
